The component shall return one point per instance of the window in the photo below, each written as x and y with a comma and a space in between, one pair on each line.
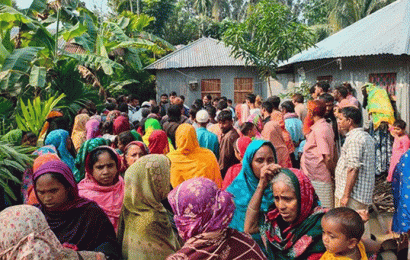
328, 78
242, 87
211, 87
385, 80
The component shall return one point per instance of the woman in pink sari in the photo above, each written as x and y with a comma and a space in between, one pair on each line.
272, 132
103, 183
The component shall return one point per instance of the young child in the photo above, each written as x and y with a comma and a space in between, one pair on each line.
342, 230
400, 146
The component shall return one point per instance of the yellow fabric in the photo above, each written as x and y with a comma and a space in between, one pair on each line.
190, 160
79, 134
379, 105
330, 256
145, 232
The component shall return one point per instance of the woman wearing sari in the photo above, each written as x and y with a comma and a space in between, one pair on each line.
150, 125
273, 133
103, 183
61, 140
93, 127
121, 124
292, 227
202, 215
74, 220
133, 151
245, 184
145, 231
25, 234
30, 195
158, 142
79, 134
85, 149
190, 160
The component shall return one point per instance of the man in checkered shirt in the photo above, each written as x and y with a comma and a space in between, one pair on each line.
356, 167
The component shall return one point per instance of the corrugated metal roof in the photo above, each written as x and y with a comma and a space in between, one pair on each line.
386, 31
204, 52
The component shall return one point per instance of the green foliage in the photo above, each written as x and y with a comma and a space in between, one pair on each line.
6, 111
303, 88
346, 12
64, 78
34, 115
15, 71
269, 35
13, 159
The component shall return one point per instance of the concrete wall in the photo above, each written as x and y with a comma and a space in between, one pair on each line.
356, 71
178, 81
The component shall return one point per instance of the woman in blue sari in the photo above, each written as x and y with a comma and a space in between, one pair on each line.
244, 185
401, 195
61, 140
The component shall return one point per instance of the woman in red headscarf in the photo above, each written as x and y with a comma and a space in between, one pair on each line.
158, 142
240, 147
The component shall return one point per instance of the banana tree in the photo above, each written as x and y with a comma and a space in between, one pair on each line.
34, 114
12, 159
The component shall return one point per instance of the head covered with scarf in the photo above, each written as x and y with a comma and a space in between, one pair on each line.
58, 138
93, 127
241, 144
25, 234
85, 149
303, 237
144, 216
79, 221
141, 145
158, 142
60, 168
150, 125
190, 160
121, 124
200, 207
315, 108
245, 185
79, 134
38, 162
109, 198
273, 133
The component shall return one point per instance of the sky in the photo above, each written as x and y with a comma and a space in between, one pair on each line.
100, 4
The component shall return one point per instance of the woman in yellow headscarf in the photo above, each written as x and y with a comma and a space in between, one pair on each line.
79, 134
190, 160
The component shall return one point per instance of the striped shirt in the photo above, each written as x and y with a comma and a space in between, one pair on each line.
358, 151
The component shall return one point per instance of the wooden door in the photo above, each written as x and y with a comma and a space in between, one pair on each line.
211, 87
242, 87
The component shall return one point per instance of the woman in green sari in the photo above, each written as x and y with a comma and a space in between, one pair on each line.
145, 231
292, 227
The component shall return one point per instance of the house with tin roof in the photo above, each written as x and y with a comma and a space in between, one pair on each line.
203, 67
374, 49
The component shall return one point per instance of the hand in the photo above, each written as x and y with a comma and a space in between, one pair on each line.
343, 201
267, 173
364, 214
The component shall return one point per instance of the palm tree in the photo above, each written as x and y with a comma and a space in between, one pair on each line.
346, 12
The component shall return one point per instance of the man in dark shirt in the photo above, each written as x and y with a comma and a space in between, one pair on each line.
229, 135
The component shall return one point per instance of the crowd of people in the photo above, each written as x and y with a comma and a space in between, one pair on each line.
266, 179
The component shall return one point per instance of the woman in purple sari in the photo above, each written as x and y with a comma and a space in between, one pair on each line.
202, 215
76, 221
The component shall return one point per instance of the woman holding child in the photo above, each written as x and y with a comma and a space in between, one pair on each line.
291, 228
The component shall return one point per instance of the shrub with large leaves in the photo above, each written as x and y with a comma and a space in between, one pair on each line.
13, 159
34, 115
